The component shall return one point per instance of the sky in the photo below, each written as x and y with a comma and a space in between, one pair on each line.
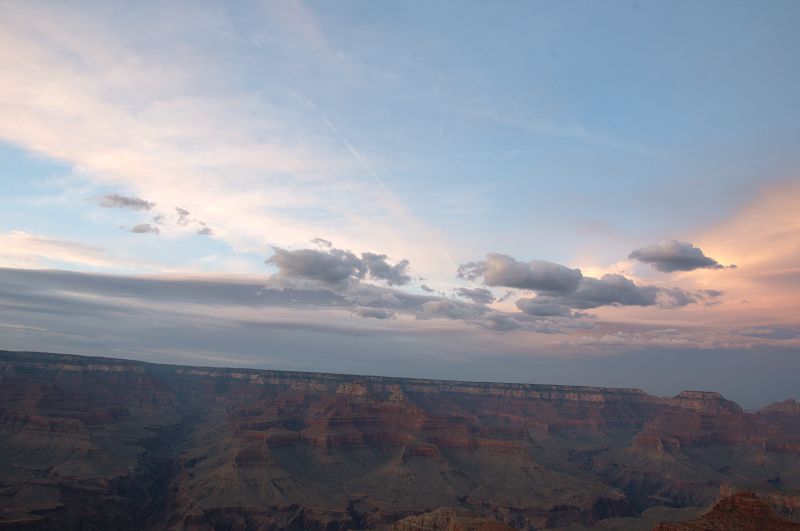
586, 193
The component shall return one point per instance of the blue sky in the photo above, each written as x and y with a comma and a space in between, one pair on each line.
569, 132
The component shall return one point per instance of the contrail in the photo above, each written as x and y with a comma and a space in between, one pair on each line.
371, 172
352, 150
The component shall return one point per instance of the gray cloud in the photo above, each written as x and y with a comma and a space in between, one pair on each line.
329, 267
394, 275
183, 216
499, 321
536, 275
543, 306
322, 242
210, 292
507, 295
145, 228
360, 294
134, 203
35, 292
331, 278
448, 309
674, 255
476, 295
375, 313
336, 266
776, 332
428, 289
183, 220
121, 201
473, 314
611, 290
678, 297
62, 292
561, 290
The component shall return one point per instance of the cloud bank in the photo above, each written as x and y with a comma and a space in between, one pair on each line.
563, 292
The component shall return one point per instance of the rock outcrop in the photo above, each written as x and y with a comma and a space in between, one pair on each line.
741, 511
447, 519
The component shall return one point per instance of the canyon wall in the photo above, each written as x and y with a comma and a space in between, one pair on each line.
90, 443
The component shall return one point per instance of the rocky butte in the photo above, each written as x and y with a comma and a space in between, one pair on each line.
97, 443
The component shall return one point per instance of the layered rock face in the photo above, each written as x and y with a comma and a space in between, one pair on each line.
90, 443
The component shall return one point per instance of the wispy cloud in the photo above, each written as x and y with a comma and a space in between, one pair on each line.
259, 172
24, 249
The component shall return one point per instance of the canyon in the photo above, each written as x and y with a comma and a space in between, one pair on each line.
101, 443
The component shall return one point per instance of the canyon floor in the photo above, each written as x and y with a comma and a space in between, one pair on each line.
92, 443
